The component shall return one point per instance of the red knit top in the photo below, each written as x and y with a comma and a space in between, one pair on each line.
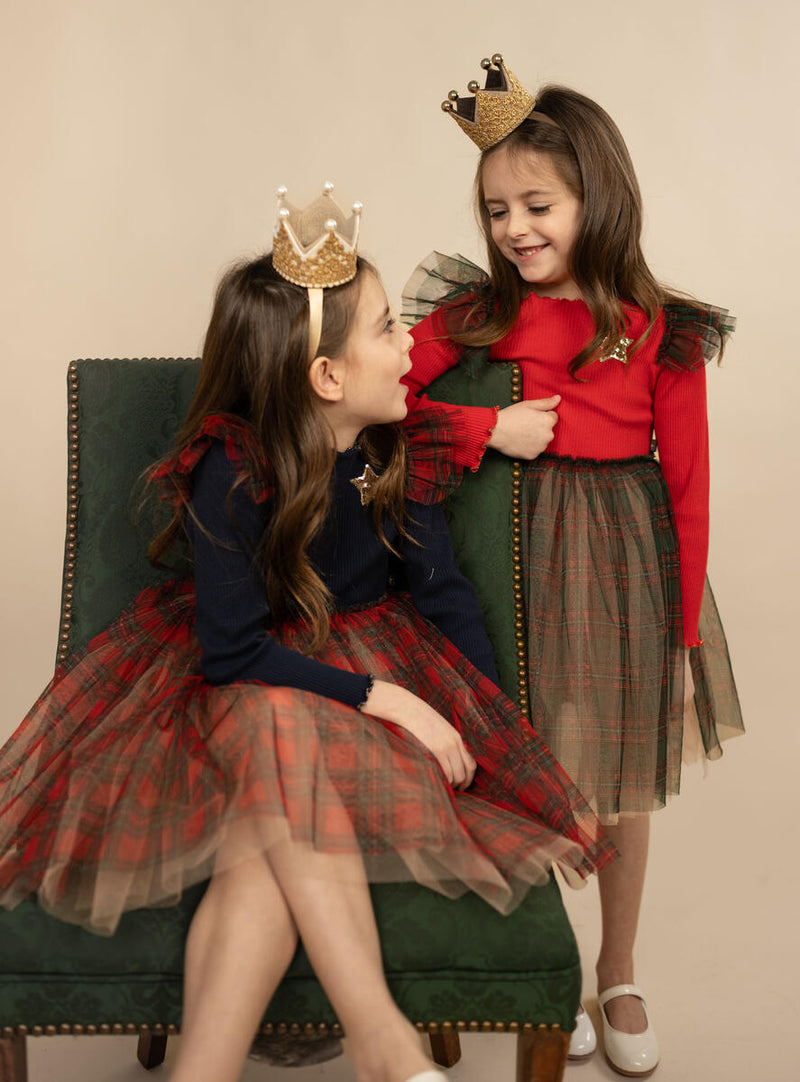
610, 414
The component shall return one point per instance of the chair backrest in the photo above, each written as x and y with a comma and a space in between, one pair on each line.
480, 513
123, 416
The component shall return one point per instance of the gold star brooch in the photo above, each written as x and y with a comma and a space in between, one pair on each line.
619, 352
364, 484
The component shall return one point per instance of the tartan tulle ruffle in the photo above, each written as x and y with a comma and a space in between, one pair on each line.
131, 771
694, 332
605, 634
429, 473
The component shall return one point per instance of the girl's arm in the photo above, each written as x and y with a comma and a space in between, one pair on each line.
232, 615
432, 355
681, 427
520, 431
439, 590
232, 607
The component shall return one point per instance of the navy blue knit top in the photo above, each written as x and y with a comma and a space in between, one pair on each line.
232, 607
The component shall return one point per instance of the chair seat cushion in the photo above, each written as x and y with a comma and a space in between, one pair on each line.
445, 961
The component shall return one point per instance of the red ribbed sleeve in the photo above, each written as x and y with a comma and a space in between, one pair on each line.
433, 355
681, 427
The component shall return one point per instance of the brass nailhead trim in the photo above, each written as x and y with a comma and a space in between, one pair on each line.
516, 546
159, 1029
72, 515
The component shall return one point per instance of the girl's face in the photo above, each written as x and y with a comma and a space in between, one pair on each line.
534, 219
375, 358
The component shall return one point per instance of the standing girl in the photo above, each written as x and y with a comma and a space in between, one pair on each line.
626, 665
282, 721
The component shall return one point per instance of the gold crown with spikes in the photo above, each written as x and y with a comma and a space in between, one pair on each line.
492, 113
311, 248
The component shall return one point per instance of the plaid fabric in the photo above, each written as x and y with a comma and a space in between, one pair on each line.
693, 335
605, 639
129, 773
172, 477
431, 472
453, 283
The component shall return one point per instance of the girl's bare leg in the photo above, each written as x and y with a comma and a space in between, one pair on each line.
240, 943
332, 908
621, 886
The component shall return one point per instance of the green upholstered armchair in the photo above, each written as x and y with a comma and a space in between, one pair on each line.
453, 966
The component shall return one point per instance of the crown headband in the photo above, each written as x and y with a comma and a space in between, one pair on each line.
493, 112
316, 247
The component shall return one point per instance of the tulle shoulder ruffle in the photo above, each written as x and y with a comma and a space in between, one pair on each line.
431, 472
693, 335
172, 477
451, 282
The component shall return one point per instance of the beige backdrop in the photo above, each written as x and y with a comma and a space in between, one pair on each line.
142, 142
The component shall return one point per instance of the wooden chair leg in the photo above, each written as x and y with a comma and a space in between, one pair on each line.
152, 1049
445, 1049
541, 1055
13, 1059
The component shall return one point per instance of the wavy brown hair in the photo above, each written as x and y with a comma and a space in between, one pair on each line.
255, 367
588, 153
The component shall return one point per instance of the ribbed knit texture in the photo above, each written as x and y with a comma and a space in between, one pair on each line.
232, 607
609, 413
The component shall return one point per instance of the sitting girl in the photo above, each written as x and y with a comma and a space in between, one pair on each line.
284, 721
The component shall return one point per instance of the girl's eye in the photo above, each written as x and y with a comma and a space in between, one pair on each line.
496, 213
391, 323
541, 209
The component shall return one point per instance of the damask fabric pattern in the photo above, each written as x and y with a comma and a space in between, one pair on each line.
485, 498
445, 960
128, 413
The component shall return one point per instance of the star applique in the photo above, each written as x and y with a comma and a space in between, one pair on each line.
619, 352
364, 484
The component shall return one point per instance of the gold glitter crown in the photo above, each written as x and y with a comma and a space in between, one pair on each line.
493, 112
311, 248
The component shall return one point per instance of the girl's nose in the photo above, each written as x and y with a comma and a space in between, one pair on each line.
517, 226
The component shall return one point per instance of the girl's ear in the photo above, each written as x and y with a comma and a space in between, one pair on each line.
327, 378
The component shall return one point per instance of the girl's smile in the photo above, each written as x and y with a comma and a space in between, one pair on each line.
534, 219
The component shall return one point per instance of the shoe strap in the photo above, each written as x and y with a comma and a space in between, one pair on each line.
617, 990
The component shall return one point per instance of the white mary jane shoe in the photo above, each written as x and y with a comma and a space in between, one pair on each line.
427, 1076
583, 1039
631, 1054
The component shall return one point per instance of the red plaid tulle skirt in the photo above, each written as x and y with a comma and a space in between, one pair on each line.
605, 634
129, 774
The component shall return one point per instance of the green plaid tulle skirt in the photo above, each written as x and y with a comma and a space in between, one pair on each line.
605, 638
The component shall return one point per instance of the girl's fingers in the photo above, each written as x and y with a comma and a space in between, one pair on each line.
472, 766
465, 768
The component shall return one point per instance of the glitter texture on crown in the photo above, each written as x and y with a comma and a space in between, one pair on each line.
494, 111
315, 247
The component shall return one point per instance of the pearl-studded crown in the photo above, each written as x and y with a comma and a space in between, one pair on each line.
315, 247
494, 111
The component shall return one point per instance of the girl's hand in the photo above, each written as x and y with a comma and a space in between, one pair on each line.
525, 429
394, 703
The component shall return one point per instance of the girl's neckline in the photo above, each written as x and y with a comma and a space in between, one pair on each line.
351, 451
533, 295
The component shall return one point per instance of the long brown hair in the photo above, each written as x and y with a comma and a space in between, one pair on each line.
255, 367
590, 157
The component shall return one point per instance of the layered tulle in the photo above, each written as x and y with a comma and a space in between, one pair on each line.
131, 773
605, 637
